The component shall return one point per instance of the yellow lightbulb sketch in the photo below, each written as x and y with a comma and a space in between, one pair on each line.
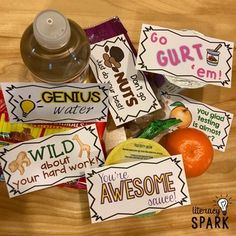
27, 106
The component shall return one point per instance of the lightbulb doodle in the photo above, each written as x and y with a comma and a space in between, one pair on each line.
27, 105
223, 203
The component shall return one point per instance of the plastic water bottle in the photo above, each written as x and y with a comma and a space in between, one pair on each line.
55, 49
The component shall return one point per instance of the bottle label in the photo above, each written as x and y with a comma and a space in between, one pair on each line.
43, 103
113, 62
186, 55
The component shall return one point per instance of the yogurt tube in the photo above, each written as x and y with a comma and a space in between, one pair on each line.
183, 82
135, 149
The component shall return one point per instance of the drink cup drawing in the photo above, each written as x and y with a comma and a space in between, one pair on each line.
213, 56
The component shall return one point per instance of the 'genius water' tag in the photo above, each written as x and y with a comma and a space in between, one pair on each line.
66, 103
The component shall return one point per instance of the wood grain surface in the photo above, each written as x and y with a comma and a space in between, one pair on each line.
63, 211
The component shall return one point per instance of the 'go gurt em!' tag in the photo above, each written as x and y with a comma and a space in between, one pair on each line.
185, 54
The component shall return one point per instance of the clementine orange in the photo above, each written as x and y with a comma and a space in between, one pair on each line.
195, 147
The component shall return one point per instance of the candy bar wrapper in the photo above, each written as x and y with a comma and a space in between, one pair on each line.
106, 30
112, 61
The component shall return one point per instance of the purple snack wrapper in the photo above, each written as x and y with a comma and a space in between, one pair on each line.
106, 30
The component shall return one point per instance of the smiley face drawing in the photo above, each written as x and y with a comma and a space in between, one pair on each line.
112, 57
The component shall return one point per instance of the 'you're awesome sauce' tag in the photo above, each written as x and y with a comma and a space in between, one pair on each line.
135, 188
113, 62
185, 54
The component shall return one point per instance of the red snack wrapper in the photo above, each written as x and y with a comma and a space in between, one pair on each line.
3, 108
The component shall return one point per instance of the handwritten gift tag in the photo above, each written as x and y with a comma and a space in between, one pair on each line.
113, 62
40, 163
40, 103
215, 123
185, 54
135, 188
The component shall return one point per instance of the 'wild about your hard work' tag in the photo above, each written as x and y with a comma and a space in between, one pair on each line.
41, 163
135, 188
43, 103
185, 54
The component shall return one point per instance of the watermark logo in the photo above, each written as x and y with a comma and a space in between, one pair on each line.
223, 202
214, 217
